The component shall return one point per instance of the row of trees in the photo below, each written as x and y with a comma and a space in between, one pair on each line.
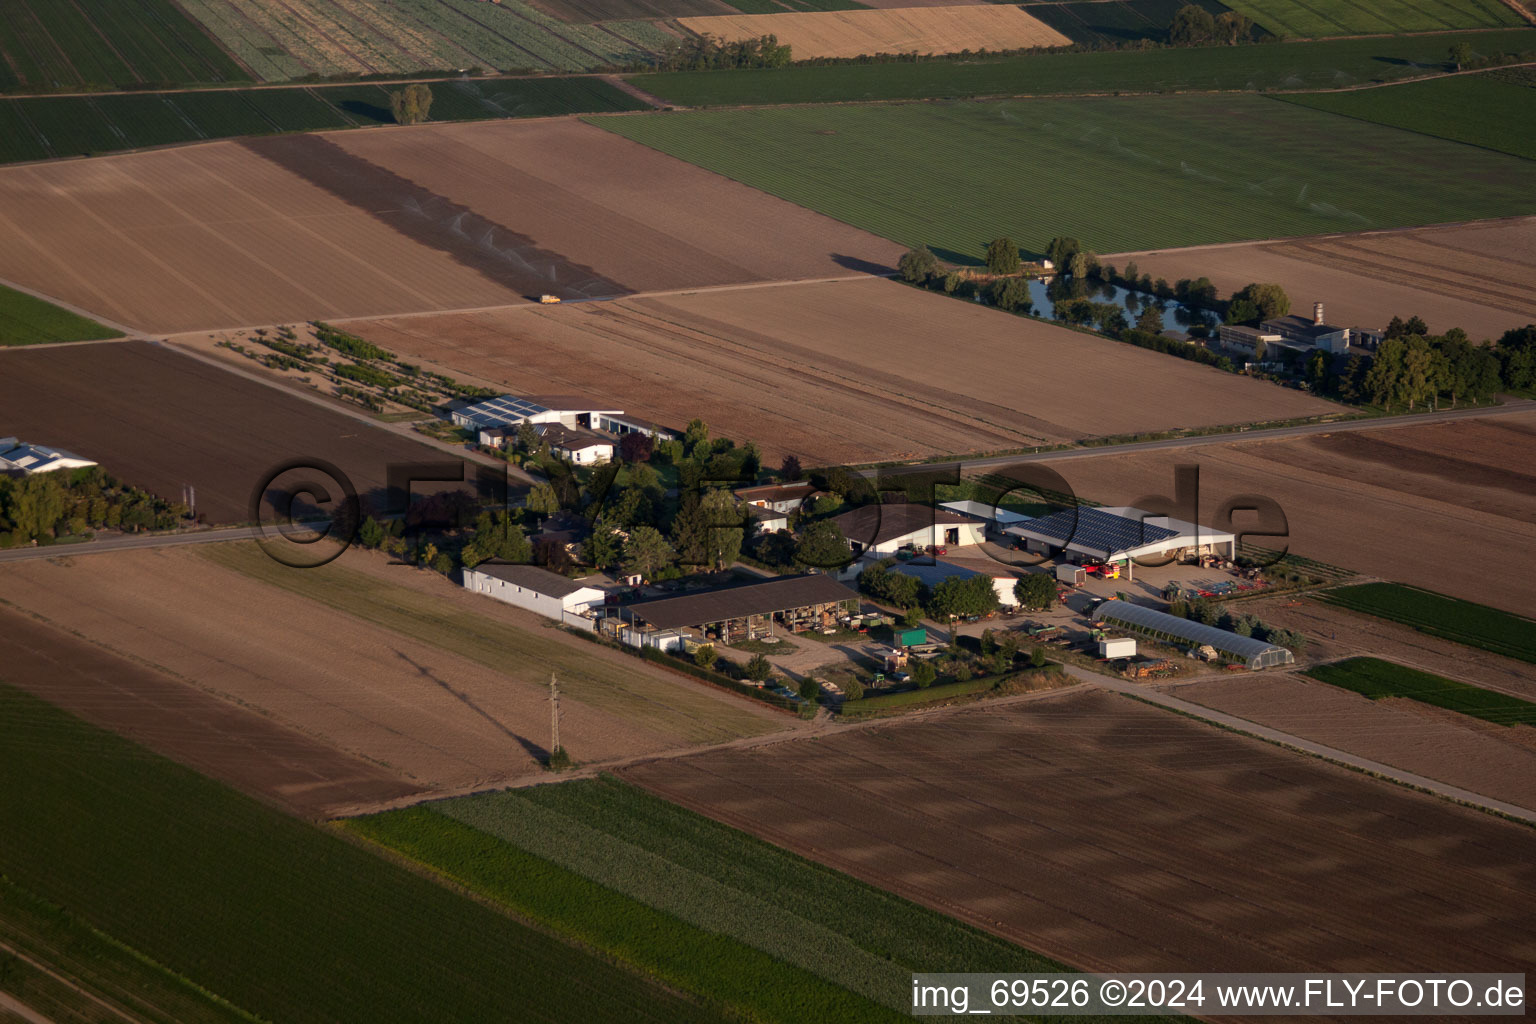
1212, 614
1413, 368
46, 506
1193, 25
706, 53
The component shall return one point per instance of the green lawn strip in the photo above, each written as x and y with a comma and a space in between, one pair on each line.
1374, 678
25, 320
1209, 173
1326, 64
524, 655
1317, 18
712, 965
1449, 618
1475, 109
275, 915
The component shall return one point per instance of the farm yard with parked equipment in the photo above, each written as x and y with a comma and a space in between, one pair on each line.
1480, 277
847, 161
1152, 841
731, 357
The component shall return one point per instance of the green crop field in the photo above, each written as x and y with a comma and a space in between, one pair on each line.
525, 656
1480, 110
1311, 19
1100, 22
1118, 173
1449, 618
704, 907
47, 45
1374, 678
1293, 66
25, 320
277, 917
36, 128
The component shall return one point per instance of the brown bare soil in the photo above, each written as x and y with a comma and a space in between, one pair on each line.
1370, 506
233, 744
1335, 633
161, 420
418, 711
1452, 748
1117, 836
435, 217
848, 371
1480, 277
890, 30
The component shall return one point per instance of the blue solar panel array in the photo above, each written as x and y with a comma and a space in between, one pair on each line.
1096, 529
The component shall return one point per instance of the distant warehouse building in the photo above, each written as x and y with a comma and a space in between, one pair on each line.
537, 590
1150, 622
886, 529
17, 459
1118, 535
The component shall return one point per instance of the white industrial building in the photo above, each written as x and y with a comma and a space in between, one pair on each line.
886, 529
536, 589
18, 459
509, 410
1119, 535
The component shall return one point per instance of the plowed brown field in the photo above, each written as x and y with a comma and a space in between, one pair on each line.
423, 708
888, 30
397, 220
1479, 277
849, 371
1118, 836
1446, 506
161, 420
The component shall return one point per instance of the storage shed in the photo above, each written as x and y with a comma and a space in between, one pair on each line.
1150, 622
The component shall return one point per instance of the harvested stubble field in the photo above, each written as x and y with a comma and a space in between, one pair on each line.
1459, 513
1118, 836
1363, 17
1492, 760
1030, 169
908, 30
1479, 277
397, 220
435, 688
858, 373
161, 420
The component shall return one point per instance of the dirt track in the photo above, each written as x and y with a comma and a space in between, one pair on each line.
161, 420
1121, 837
1480, 277
848, 371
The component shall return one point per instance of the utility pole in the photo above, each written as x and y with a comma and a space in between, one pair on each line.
554, 716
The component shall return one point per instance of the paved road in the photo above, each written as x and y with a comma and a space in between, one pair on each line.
1456, 793
129, 542
1511, 406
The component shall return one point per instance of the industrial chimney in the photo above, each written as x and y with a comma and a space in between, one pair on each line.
1317, 313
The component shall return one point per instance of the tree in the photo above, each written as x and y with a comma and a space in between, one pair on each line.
528, 439
1111, 320
1077, 266
852, 689
891, 588
810, 690
918, 265
952, 283
1150, 320
1002, 256
542, 499
704, 656
1012, 295
1269, 299
823, 546
1192, 25
411, 104
790, 469
1461, 54
602, 549
923, 674
696, 436
724, 528
551, 553
757, 669
636, 447
1035, 592
1232, 27
1037, 658
646, 552
1061, 249
37, 505
1241, 311
371, 533
961, 598
912, 617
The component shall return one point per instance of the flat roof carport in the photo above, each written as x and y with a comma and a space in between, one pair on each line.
744, 601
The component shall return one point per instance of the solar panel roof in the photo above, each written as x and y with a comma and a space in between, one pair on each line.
1095, 529
505, 409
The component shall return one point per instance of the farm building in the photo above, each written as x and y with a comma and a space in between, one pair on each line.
1150, 622
538, 590
766, 519
17, 459
508, 410
575, 444
1305, 333
778, 497
620, 424
931, 574
1247, 343
1120, 535
742, 611
886, 529
983, 512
